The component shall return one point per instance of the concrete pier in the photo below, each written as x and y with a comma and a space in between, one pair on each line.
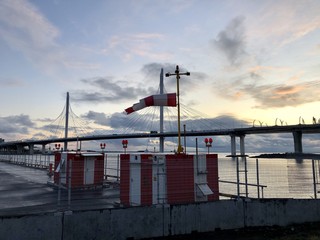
297, 139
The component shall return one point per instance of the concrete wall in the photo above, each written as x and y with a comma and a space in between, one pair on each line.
147, 222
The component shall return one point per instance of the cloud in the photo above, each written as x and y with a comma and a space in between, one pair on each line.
152, 70
105, 89
276, 95
11, 82
17, 124
283, 95
140, 44
148, 120
119, 122
231, 41
108, 89
25, 29
96, 117
285, 22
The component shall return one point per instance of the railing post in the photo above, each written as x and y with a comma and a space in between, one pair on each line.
69, 178
314, 179
238, 177
118, 163
258, 180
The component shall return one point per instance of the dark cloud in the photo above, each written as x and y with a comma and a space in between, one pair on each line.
152, 71
96, 117
144, 121
107, 90
231, 41
260, 143
18, 124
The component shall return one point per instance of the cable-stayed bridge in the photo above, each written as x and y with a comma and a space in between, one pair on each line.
197, 126
68, 127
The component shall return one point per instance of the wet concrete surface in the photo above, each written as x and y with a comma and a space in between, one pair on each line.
25, 190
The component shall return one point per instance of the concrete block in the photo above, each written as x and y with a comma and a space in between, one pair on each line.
31, 227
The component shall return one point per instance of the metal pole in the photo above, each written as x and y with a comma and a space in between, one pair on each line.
178, 98
67, 123
233, 146
177, 73
118, 167
246, 174
105, 157
161, 146
197, 155
258, 180
314, 179
59, 188
184, 138
69, 179
238, 177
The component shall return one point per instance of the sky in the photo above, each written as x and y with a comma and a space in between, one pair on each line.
251, 62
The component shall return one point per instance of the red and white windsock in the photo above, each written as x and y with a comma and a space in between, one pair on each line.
168, 99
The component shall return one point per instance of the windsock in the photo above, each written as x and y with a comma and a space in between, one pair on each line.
154, 100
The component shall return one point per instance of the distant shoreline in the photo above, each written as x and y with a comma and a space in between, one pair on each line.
289, 155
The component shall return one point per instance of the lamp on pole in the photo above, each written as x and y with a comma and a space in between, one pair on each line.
208, 142
102, 146
177, 74
57, 146
125, 145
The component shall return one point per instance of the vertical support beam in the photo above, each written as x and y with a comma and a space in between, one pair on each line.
238, 176
31, 149
258, 179
297, 139
19, 149
242, 148
233, 146
43, 150
67, 123
161, 146
314, 179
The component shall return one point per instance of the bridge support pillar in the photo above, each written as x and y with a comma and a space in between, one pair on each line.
19, 149
297, 138
31, 148
242, 148
233, 146
43, 150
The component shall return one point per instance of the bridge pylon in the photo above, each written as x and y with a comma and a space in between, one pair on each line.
297, 139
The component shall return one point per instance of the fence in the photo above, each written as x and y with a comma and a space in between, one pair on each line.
43, 161
24, 182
